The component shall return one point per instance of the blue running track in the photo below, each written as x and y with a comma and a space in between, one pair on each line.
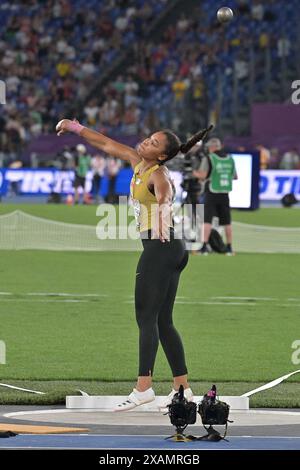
34, 441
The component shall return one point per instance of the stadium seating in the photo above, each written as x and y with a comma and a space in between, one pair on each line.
52, 53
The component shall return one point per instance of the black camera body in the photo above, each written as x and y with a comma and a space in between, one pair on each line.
182, 412
190, 163
213, 412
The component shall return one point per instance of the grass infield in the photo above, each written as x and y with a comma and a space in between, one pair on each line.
67, 319
277, 217
285, 395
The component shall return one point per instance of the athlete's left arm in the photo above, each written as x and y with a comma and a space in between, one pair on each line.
164, 193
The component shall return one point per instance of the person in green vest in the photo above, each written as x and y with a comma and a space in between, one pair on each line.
82, 166
218, 171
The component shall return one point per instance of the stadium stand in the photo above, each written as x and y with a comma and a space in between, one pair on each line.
54, 54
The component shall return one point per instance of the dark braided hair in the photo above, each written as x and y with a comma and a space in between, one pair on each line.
174, 145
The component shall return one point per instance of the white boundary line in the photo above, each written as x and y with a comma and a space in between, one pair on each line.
216, 303
271, 228
289, 305
246, 298
44, 300
271, 384
64, 294
48, 294
58, 294
182, 299
198, 302
22, 389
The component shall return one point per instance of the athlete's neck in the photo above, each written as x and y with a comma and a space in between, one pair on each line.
146, 166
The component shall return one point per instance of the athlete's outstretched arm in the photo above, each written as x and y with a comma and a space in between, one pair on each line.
100, 141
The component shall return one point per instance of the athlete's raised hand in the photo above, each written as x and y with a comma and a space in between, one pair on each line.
66, 125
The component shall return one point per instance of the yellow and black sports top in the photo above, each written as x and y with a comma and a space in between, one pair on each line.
144, 202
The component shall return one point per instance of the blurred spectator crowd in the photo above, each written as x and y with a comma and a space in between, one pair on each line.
53, 52
197, 61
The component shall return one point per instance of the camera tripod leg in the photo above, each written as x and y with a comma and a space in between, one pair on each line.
179, 438
213, 435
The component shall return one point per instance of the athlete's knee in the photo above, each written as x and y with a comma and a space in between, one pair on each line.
165, 328
140, 318
146, 319
140, 311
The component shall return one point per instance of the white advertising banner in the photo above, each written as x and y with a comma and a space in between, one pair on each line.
274, 184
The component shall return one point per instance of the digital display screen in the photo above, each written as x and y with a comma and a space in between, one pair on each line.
240, 196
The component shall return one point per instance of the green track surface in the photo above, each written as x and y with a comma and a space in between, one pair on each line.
88, 339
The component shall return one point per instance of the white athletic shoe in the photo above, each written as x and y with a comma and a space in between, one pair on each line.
135, 399
188, 395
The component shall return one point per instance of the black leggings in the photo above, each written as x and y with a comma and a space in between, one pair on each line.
157, 278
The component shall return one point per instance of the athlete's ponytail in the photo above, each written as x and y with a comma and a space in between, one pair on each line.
186, 147
174, 145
